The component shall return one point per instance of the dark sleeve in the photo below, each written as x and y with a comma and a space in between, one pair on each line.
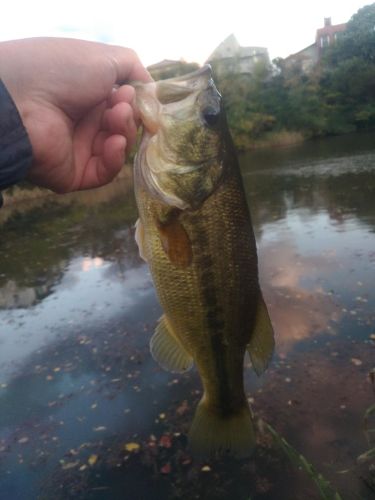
15, 148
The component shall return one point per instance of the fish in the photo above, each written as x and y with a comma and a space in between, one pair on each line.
194, 230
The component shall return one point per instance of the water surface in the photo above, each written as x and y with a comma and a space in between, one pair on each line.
79, 389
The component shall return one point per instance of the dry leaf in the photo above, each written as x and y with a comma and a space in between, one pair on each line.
166, 469
165, 441
92, 459
132, 446
70, 465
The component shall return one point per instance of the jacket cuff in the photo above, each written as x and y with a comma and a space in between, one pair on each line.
15, 148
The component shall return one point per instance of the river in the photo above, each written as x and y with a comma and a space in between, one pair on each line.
85, 411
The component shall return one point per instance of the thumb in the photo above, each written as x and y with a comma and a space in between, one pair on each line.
127, 65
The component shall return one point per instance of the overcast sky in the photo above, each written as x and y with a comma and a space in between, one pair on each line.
174, 29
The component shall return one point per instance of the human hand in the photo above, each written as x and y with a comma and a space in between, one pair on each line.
80, 126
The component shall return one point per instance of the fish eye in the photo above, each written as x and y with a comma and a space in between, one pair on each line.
211, 115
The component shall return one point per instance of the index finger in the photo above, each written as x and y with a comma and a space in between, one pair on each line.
128, 66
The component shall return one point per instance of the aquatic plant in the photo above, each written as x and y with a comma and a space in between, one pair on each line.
327, 492
368, 457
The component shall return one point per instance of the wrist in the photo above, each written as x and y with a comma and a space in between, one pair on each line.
15, 146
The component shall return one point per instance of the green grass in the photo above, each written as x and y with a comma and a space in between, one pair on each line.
326, 491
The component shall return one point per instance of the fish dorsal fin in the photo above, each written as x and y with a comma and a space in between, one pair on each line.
175, 241
167, 350
140, 238
262, 343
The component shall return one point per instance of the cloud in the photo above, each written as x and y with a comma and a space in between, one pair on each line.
298, 311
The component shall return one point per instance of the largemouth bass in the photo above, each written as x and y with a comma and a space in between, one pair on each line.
195, 232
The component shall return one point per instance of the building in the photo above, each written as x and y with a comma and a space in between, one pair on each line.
305, 59
229, 57
327, 35
308, 57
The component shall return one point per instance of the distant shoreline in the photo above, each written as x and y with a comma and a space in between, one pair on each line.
18, 194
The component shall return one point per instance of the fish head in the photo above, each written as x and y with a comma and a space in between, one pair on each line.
182, 150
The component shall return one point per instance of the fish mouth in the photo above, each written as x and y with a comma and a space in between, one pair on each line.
151, 96
190, 79
195, 80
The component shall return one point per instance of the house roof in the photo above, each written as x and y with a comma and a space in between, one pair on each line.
330, 29
231, 48
300, 52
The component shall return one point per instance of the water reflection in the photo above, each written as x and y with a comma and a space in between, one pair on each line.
77, 309
299, 311
91, 291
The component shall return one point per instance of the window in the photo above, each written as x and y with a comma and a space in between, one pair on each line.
324, 41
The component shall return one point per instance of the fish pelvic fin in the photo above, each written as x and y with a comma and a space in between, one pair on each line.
262, 342
213, 434
167, 350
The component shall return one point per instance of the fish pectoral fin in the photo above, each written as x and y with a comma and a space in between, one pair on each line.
167, 350
175, 242
262, 342
140, 238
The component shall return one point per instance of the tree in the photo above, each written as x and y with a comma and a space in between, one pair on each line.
359, 38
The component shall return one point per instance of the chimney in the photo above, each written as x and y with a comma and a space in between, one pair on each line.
327, 21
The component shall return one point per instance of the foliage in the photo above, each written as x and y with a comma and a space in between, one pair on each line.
358, 40
336, 97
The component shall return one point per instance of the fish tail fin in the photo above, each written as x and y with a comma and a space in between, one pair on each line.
211, 433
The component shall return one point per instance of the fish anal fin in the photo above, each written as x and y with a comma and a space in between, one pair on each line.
167, 350
140, 238
175, 242
262, 343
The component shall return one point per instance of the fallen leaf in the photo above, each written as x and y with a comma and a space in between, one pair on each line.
92, 459
183, 408
70, 465
132, 446
356, 361
166, 469
206, 468
165, 441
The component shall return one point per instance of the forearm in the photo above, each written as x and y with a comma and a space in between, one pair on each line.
15, 147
